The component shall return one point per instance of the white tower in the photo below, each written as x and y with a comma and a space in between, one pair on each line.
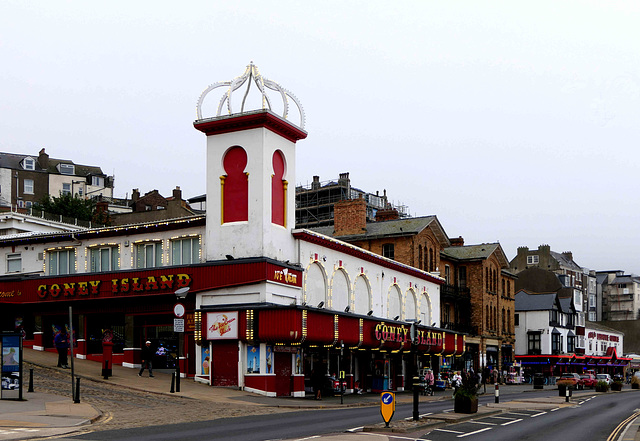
250, 173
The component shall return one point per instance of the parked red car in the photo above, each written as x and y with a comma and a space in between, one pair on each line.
587, 380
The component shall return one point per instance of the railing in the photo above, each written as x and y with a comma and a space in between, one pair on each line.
40, 214
454, 291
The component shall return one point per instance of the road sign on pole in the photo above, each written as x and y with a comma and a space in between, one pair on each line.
387, 406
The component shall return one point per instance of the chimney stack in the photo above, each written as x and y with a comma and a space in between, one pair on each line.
350, 217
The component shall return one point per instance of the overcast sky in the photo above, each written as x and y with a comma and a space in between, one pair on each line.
515, 122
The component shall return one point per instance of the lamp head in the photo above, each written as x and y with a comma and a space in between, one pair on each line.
320, 305
181, 293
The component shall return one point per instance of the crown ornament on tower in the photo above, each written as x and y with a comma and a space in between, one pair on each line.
252, 75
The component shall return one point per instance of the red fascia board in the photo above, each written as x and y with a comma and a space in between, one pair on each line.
352, 251
252, 120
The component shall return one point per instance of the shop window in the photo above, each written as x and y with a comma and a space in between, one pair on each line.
533, 343
185, 251
388, 250
148, 254
14, 263
61, 262
104, 259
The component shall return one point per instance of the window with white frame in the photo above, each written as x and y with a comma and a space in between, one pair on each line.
592, 301
29, 164
592, 316
14, 263
148, 254
28, 186
66, 188
185, 251
66, 169
104, 258
61, 262
97, 181
533, 260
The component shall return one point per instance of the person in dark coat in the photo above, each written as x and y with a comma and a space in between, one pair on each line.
147, 358
61, 341
316, 380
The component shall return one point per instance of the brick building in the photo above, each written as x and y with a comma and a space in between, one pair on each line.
478, 295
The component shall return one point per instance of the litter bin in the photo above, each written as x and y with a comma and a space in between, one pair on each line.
538, 381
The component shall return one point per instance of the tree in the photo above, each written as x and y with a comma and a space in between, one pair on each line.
68, 205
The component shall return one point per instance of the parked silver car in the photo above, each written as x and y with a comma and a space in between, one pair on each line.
604, 377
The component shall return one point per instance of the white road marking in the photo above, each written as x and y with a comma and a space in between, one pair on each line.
450, 431
355, 429
425, 414
473, 433
482, 422
448, 410
511, 422
553, 410
519, 414
501, 417
538, 414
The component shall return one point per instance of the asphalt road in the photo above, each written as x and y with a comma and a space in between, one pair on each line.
594, 419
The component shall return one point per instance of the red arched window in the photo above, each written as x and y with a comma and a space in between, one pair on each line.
278, 190
235, 186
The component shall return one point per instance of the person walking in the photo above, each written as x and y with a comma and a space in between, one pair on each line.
147, 357
317, 379
429, 379
61, 341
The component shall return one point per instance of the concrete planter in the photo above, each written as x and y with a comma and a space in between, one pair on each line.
465, 405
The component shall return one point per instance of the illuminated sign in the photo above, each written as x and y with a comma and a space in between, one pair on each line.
400, 334
124, 285
222, 325
285, 276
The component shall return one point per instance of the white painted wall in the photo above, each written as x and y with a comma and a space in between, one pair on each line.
333, 275
258, 236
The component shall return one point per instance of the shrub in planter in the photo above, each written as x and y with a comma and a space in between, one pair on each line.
635, 382
465, 399
616, 385
602, 386
563, 385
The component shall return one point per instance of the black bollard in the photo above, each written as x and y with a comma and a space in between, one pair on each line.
416, 398
497, 393
105, 371
173, 382
30, 381
77, 397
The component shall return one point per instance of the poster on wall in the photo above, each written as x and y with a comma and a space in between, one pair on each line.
206, 361
222, 325
269, 357
11, 367
299, 361
253, 359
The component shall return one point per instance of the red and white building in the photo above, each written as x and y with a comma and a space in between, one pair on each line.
266, 303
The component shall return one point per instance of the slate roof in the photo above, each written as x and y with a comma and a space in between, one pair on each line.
563, 261
626, 279
469, 252
534, 302
13, 160
600, 327
565, 304
397, 227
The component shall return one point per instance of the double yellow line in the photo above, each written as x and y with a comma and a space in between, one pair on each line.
616, 432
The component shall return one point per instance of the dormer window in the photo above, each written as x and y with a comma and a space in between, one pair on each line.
66, 169
29, 164
97, 181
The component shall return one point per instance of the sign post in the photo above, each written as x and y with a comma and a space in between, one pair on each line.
387, 406
178, 327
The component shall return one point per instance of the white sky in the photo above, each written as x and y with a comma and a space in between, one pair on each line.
515, 122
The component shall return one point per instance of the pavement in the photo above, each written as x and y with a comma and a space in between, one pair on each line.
41, 414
